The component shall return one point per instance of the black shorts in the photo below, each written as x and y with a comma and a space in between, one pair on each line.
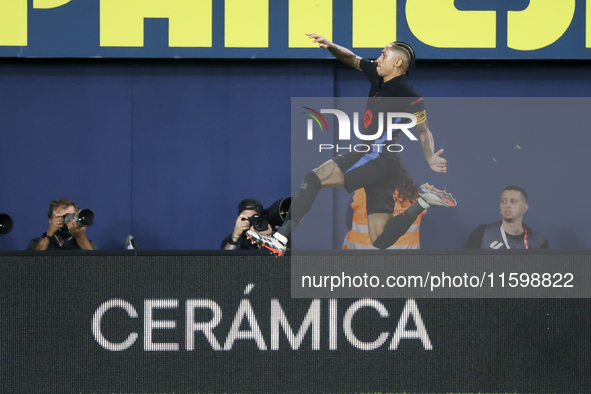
377, 174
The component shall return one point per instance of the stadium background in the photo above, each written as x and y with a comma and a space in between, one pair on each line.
164, 148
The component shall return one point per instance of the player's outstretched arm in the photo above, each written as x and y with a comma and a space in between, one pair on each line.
436, 162
343, 54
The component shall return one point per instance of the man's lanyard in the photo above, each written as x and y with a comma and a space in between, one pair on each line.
525, 243
61, 244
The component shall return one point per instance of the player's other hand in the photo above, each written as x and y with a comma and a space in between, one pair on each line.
320, 40
438, 163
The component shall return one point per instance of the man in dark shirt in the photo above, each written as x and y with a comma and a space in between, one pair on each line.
376, 171
511, 232
59, 236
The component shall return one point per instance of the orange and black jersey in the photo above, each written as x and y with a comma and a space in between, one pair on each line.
407, 99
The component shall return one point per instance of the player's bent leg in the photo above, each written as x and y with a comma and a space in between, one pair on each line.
376, 222
302, 202
430, 196
330, 175
397, 226
300, 205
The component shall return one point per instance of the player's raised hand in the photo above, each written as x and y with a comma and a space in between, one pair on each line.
320, 40
438, 163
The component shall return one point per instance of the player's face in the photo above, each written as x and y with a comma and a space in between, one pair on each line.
387, 62
513, 205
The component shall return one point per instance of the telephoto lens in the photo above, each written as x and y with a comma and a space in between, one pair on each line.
5, 224
83, 218
277, 212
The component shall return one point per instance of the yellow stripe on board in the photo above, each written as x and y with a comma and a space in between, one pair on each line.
246, 24
13, 22
541, 24
45, 4
189, 22
374, 23
309, 16
588, 25
440, 24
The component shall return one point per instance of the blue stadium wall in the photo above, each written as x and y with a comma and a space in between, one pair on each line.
165, 149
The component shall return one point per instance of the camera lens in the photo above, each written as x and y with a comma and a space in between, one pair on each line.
83, 218
6, 224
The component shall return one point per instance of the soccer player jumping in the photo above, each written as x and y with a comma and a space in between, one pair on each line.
376, 171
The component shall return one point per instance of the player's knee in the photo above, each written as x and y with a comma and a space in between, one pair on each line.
330, 174
311, 182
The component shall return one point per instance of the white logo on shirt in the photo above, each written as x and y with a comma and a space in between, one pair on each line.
496, 245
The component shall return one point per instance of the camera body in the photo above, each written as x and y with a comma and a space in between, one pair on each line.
259, 223
274, 216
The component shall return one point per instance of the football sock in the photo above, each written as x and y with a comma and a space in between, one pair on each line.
397, 226
301, 203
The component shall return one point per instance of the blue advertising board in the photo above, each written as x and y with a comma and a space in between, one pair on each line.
439, 29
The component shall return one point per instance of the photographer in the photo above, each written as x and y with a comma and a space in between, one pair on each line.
60, 236
246, 210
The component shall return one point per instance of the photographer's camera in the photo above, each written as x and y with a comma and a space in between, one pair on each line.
258, 222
